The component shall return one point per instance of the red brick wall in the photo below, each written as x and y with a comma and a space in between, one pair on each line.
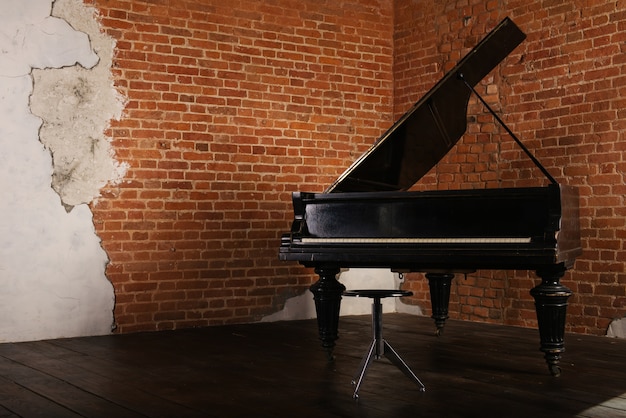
232, 105
562, 92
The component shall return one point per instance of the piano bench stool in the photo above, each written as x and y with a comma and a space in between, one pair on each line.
379, 346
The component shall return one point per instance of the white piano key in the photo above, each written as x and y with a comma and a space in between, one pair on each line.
452, 240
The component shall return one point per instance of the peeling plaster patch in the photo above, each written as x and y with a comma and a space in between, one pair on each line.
76, 105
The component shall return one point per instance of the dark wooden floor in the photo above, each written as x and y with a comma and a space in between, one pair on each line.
279, 370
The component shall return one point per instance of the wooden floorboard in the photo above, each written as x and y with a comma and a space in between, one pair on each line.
279, 370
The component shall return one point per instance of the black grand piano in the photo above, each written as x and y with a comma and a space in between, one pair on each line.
367, 218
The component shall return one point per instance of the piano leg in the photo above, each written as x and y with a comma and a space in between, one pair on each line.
439, 284
327, 295
551, 305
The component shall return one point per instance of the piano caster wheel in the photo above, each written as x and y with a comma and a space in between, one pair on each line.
555, 370
438, 332
422, 390
553, 363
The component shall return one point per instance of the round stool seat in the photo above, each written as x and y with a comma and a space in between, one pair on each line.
377, 293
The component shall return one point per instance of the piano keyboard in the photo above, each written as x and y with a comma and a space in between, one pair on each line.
477, 240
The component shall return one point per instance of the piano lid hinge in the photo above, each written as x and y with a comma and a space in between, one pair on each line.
515, 138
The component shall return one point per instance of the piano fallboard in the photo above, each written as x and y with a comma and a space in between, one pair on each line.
455, 230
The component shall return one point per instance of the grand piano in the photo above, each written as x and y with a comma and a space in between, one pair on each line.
368, 218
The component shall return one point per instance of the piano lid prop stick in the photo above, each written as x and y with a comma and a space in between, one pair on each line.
515, 138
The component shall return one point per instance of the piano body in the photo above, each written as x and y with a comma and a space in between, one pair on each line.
368, 219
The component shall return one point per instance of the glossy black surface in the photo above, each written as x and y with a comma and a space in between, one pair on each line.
491, 215
418, 140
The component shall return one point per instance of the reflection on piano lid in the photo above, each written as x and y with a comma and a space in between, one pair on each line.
420, 138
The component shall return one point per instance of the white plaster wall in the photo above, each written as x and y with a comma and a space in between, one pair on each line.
303, 306
617, 328
52, 281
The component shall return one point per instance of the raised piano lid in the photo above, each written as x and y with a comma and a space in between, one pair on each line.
425, 134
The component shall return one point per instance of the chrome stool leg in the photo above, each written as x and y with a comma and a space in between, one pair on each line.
393, 356
358, 378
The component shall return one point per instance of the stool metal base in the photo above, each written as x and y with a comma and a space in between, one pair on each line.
379, 346
393, 356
